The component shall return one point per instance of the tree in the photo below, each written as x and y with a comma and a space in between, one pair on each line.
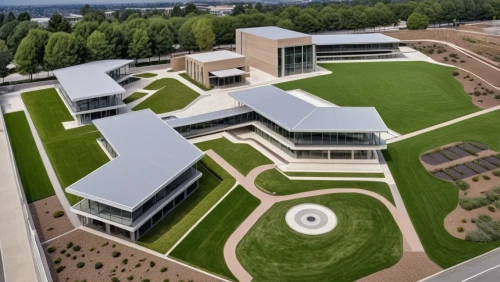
176, 11
307, 23
84, 29
164, 43
2, 18
140, 46
5, 59
330, 18
85, 9
19, 33
24, 16
258, 7
190, 8
417, 21
286, 24
448, 11
10, 17
186, 36
62, 50
98, 47
238, 9
290, 13
205, 37
116, 38
224, 30
94, 16
58, 23
7, 30
158, 32
30, 53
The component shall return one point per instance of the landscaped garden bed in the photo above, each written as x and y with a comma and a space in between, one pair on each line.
49, 218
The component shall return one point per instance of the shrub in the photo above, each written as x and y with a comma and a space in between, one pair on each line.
462, 185
130, 278
138, 264
473, 203
439, 51
464, 220
445, 58
497, 204
60, 268
473, 220
491, 208
50, 228
462, 61
475, 178
166, 280
453, 60
104, 244
58, 214
98, 265
478, 236
115, 279
62, 252
146, 280
164, 269
74, 257
124, 261
80, 264
57, 260
51, 249
69, 245
91, 249
152, 264
115, 254
496, 173
493, 194
486, 177
460, 229
455, 73
477, 93
497, 97
68, 255
471, 79
76, 248
453, 55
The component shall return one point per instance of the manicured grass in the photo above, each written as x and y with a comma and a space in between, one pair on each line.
171, 228
146, 75
334, 174
75, 157
428, 199
365, 240
199, 85
243, 157
36, 182
172, 96
408, 95
273, 181
48, 112
204, 246
134, 96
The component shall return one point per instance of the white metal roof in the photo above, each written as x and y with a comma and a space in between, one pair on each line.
273, 32
151, 155
208, 116
90, 80
352, 39
227, 73
214, 56
297, 115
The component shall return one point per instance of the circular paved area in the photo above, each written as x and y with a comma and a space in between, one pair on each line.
311, 219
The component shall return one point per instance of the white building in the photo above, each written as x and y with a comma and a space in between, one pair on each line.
73, 18
42, 22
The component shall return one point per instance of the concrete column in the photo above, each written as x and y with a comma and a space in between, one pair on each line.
132, 236
108, 228
352, 154
329, 156
283, 62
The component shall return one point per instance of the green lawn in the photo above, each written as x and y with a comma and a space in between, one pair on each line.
75, 157
48, 112
134, 96
243, 157
273, 181
334, 174
173, 95
428, 199
36, 182
365, 240
199, 85
146, 75
408, 95
172, 227
204, 246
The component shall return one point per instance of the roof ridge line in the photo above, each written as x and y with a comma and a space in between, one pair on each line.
305, 117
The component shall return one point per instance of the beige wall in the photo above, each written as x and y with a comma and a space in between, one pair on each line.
194, 68
262, 53
178, 63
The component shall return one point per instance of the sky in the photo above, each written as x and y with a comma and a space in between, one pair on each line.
50, 2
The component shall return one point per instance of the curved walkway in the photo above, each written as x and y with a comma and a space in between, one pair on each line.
267, 201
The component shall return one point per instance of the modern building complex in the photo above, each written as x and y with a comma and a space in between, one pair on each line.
214, 69
152, 170
282, 52
298, 128
73, 18
93, 90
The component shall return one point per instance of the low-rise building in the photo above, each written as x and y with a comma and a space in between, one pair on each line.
215, 69
93, 90
73, 18
151, 171
42, 22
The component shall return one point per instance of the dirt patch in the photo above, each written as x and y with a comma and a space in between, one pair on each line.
475, 27
138, 264
46, 225
413, 266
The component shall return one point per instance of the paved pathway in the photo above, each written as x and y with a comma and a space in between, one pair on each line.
400, 216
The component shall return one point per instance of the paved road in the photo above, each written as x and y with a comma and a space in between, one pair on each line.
485, 269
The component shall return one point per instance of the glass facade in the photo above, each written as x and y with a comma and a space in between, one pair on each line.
221, 81
126, 217
93, 103
87, 118
356, 51
298, 59
213, 125
355, 47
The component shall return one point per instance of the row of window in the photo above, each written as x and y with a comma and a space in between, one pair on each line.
295, 60
87, 118
356, 47
350, 58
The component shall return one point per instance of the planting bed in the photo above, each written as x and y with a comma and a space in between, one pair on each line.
454, 152
46, 224
468, 169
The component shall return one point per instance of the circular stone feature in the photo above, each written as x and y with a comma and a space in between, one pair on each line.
311, 219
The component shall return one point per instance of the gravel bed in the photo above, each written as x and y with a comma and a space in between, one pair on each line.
459, 151
476, 167
48, 227
486, 164
468, 147
465, 171
449, 154
443, 176
453, 173
440, 158
493, 160
430, 160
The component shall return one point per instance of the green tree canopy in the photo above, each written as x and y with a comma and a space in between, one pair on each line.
62, 50
85, 9
7, 30
58, 23
205, 37
224, 29
176, 11
5, 59
307, 23
98, 47
24, 16
19, 33
30, 53
140, 46
84, 29
286, 24
10, 17
417, 21
186, 36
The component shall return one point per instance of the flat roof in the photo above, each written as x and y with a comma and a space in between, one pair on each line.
297, 115
227, 73
90, 80
208, 116
273, 32
215, 56
352, 39
151, 154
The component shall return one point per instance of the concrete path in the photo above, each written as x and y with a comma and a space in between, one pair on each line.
437, 126
267, 201
52, 174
